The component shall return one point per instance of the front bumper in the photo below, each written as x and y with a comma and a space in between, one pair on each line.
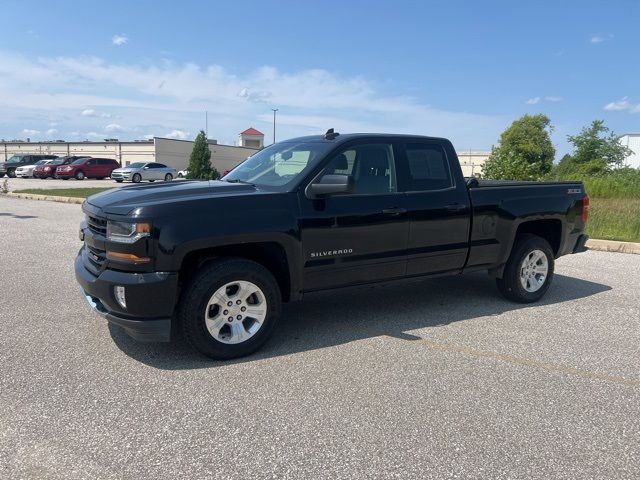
120, 176
150, 300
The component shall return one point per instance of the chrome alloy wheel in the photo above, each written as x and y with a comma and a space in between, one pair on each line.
534, 270
235, 312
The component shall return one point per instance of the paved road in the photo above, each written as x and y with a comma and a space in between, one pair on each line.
438, 379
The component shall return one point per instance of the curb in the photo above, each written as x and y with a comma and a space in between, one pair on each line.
50, 198
613, 246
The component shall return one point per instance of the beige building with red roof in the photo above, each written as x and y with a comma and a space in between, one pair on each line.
251, 138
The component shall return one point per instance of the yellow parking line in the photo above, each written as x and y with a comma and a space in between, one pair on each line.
528, 362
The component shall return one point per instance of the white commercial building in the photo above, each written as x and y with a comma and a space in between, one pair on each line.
632, 140
164, 150
176, 152
472, 162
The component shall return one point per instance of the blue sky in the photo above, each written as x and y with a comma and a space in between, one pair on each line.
460, 69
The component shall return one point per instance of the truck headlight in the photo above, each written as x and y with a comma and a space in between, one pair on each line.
125, 232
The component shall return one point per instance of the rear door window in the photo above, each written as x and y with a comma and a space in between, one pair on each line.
428, 167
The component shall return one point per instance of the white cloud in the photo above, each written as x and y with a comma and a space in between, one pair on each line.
177, 134
159, 96
622, 105
120, 40
537, 100
595, 39
91, 112
53, 124
51, 132
30, 132
113, 128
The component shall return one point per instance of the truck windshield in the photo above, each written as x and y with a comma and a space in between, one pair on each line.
279, 165
14, 158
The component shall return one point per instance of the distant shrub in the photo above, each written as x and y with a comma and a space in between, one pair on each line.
618, 183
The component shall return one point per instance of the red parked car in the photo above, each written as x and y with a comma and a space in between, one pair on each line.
49, 170
88, 167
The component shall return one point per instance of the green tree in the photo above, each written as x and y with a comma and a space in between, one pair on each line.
525, 151
200, 167
598, 148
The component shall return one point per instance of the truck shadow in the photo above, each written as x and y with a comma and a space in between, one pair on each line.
328, 319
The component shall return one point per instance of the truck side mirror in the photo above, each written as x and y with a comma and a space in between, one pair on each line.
332, 184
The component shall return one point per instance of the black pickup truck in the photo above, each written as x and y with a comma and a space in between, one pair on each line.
216, 259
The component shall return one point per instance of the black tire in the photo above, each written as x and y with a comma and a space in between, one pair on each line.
119, 180
136, 178
196, 295
510, 285
168, 177
79, 175
1, 175
11, 173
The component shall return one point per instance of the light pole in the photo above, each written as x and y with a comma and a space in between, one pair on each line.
274, 124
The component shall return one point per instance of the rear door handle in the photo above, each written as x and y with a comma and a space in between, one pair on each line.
394, 211
455, 207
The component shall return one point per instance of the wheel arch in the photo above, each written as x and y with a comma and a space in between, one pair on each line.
271, 255
551, 229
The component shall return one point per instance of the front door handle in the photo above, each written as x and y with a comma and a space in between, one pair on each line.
394, 211
455, 207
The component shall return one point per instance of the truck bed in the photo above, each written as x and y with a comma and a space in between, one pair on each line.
519, 183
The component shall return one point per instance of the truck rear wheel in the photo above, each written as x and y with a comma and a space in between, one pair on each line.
229, 308
529, 270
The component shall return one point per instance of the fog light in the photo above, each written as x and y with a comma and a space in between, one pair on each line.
120, 296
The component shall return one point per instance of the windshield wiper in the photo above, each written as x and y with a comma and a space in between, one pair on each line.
237, 180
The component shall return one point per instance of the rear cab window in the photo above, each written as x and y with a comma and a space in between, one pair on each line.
428, 167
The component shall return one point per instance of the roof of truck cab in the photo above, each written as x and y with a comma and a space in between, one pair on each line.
343, 137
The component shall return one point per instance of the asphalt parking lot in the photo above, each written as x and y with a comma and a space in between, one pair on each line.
437, 379
24, 183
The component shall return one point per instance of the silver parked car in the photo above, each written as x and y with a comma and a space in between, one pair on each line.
138, 171
26, 171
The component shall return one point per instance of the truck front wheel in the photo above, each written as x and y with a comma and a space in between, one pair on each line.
229, 308
529, 270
